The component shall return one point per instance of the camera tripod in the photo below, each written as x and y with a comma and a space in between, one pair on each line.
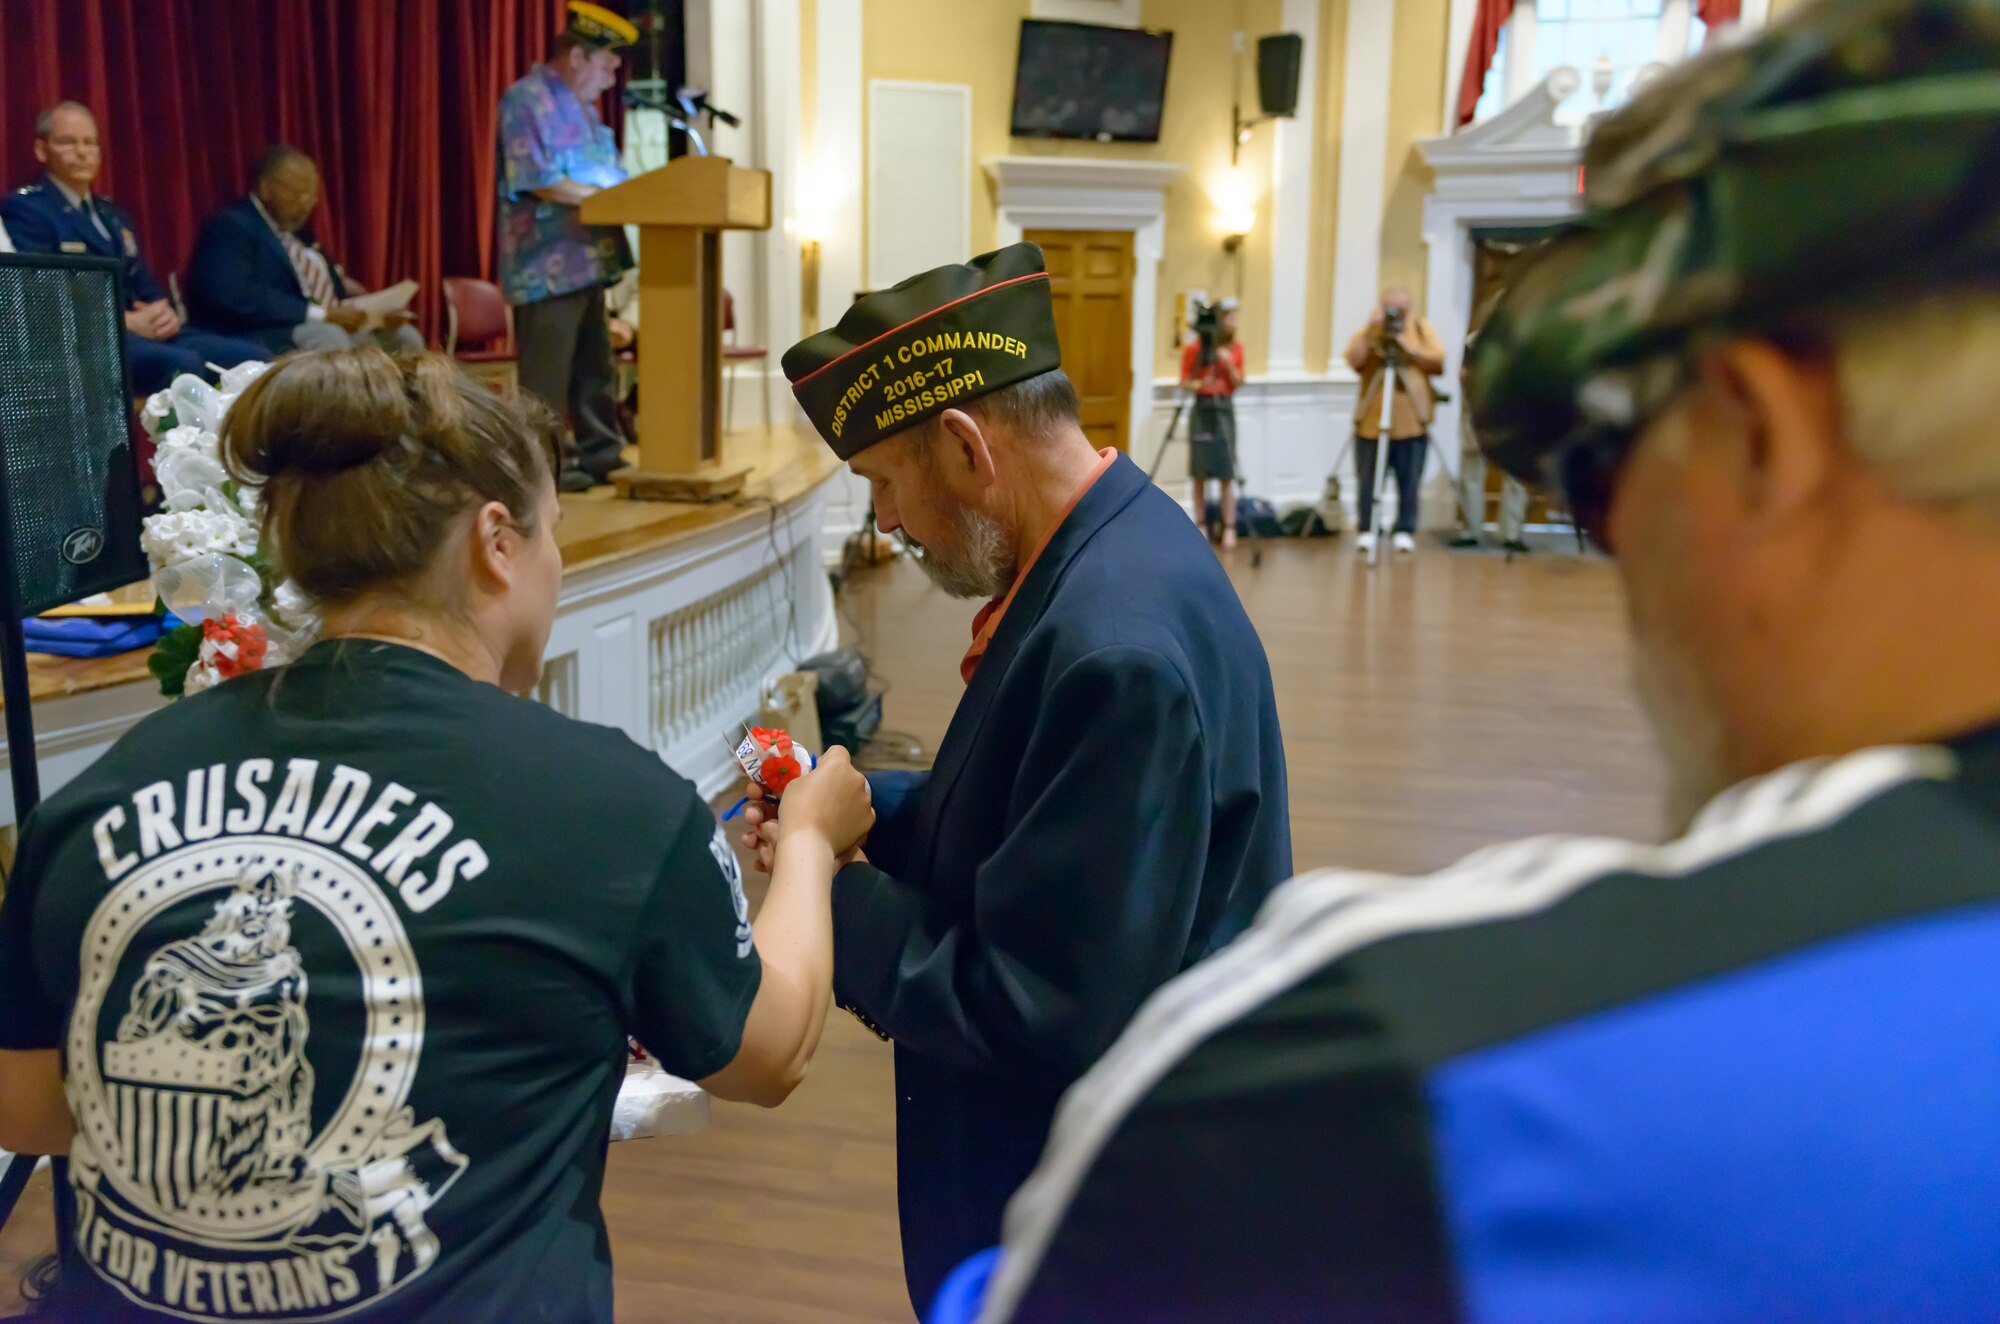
1181, 398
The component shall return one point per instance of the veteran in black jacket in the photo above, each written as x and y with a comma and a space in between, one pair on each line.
1109, 804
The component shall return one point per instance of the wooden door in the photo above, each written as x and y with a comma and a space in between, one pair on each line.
1496, 255
1090, 277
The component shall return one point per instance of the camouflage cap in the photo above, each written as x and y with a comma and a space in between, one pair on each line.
1848, 157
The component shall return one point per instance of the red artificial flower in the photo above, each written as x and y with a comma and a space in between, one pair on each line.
779, 772
248, 638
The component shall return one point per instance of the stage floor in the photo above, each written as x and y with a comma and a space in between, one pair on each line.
1431, 706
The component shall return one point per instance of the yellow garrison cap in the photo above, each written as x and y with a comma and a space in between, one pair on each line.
599, 26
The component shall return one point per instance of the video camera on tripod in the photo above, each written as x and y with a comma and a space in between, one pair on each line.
1392, 330
1206, 324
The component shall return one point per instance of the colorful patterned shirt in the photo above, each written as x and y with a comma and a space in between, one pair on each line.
547, 136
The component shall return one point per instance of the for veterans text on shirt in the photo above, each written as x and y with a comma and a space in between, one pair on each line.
342, 958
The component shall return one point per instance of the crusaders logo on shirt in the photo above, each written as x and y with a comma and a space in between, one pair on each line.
228, 1165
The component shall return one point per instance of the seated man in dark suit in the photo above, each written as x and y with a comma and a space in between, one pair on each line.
258, 273
58, 214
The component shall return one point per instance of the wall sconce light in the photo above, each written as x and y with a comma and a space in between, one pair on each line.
1236, 227
809, 284
1235, 198
814, 220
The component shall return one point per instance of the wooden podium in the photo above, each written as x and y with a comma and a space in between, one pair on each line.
681, 211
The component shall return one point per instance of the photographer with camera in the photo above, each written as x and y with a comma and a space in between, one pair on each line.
1212, 368
1394, 337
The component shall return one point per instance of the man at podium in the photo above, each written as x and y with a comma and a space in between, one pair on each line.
555, 151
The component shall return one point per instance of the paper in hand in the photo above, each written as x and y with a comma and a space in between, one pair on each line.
378, 304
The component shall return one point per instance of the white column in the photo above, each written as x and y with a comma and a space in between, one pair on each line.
1520, 71
699, 24
732, 84
777, 35
830, 197
1149, 249
1291, 204
1676, 22
1364, 170
834, 174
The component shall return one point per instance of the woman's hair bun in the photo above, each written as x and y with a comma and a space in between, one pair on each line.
315, 415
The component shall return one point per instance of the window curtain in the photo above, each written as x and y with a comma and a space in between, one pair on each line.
1716, 13
1487, 25
395, 99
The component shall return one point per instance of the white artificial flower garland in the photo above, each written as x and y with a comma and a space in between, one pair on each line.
203, 546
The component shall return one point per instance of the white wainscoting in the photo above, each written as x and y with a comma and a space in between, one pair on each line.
673, 646
1291, 432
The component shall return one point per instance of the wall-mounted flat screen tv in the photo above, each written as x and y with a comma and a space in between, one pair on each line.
1077, 80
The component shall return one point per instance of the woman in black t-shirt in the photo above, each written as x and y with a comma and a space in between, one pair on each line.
323, 977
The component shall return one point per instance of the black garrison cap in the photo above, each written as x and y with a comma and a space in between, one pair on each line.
909, 353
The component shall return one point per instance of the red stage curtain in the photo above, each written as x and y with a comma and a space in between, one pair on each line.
1717, 12
396, 100
1486, 28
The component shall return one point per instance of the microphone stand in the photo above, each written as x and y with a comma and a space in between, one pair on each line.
675, 120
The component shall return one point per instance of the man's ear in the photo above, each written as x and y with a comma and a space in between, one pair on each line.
1783, 410
42, 151
967, 452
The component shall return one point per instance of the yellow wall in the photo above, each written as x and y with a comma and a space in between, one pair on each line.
1326, 183
973, 42
949, 41
808, 70
1416, 110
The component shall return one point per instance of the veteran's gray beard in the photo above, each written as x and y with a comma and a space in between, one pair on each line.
974, 562
1687, 727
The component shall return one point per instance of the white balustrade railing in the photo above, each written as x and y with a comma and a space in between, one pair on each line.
710, 659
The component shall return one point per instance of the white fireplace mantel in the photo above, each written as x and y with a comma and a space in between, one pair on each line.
1084, 193
1518, 168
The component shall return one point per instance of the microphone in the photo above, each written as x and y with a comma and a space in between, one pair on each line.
695, 102
678, 117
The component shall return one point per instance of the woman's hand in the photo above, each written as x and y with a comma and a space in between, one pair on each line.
764, 841
833, 801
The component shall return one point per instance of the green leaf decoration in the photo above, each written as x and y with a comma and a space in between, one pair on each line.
177, 650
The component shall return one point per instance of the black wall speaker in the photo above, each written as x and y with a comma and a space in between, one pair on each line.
69, 481
1278, 60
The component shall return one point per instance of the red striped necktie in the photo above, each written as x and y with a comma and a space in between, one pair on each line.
314, 278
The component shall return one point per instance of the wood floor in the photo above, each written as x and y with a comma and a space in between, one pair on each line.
1430, 706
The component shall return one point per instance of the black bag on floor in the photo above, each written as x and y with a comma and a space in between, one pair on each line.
1255, 517
849, 712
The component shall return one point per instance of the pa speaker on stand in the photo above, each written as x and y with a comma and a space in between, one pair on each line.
69, 501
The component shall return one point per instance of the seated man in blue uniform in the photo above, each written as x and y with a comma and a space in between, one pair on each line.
259, 273
58, 214
1749, 1075
1108, 806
